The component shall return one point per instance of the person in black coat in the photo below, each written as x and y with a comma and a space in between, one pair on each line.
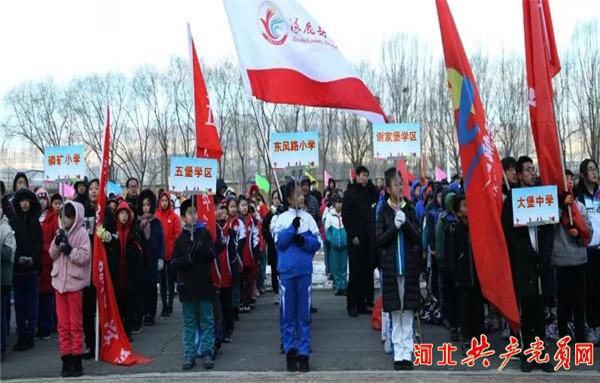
193, 255
530, 251
460, 264
126, 267
28, 234
131, 193
153, 246
357, 216
399, 239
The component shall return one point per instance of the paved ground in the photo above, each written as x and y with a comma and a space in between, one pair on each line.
344, 349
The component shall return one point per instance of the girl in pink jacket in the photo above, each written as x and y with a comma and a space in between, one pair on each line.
71, 256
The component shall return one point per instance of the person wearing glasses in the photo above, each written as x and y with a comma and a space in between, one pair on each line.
530, 252
588, 193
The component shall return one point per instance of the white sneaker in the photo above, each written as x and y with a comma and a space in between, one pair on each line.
276, 299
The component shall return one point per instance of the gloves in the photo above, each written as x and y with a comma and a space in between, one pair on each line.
103, 234
296, 223
161, 265
66, 247
60, 235
399, 219
355, 241
298, 240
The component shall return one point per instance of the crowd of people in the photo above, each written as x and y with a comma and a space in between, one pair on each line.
157, 247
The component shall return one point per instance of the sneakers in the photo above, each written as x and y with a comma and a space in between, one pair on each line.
43, 335
403, 365
188, 364
292, 361
353, 311
303, 365
276, 299
208, 362
137, 330
244, 309
149, 321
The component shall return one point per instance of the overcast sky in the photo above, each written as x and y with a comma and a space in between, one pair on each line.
62, 39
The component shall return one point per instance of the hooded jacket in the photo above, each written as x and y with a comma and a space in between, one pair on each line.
591, 201
250, 250
72, 272
432, 214
17, 176
171, 224
293, 260
50, 224
8, 246
28, 232
335, 231
153, 243
126, 263
232, 236
446, 219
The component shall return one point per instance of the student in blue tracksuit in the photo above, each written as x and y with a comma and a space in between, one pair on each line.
296, 239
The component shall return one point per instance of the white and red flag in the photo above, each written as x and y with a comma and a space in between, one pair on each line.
288, 57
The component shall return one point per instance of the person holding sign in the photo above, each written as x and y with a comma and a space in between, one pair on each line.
530, 251
569, 256
297, 239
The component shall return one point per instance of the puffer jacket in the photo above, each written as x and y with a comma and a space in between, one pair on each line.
388, 240
28, 232
335, 233
49, 228
8, 245
568, 251
171, 224
72, 272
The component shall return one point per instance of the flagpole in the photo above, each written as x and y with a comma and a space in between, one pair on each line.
97, 342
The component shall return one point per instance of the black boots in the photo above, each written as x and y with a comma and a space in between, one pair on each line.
303, 363
67, 367
292, 360
24, 343
71, 366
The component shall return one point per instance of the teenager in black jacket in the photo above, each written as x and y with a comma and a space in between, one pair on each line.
399, 239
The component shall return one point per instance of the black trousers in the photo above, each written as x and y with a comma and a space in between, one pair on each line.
149, 295
470, 312
532, 319
167, 286
88, 311
593, 288
570, 289
360, 279
448, 297
227, 310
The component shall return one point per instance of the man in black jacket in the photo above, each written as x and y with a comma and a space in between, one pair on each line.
530, 251
357, 215
28, 233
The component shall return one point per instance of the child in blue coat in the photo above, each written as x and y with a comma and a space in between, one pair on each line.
297, 240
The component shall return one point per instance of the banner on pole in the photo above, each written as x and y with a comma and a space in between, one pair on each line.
189, 174
396, 140
64, 162
294, 149
535, 206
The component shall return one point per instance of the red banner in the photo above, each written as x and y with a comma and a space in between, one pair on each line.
114, 347
483, 175
541, 57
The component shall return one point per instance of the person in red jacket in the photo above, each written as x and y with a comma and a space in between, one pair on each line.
46, 322
171, 224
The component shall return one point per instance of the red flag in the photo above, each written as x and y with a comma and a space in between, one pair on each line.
207, 213
208, 144
541, 57
407, 177
115, 347
483, 177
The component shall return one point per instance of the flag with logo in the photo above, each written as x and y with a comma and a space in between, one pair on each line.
542, 62
483, 174
288, 57
114, 345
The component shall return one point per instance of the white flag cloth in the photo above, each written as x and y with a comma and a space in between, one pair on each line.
287, 57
